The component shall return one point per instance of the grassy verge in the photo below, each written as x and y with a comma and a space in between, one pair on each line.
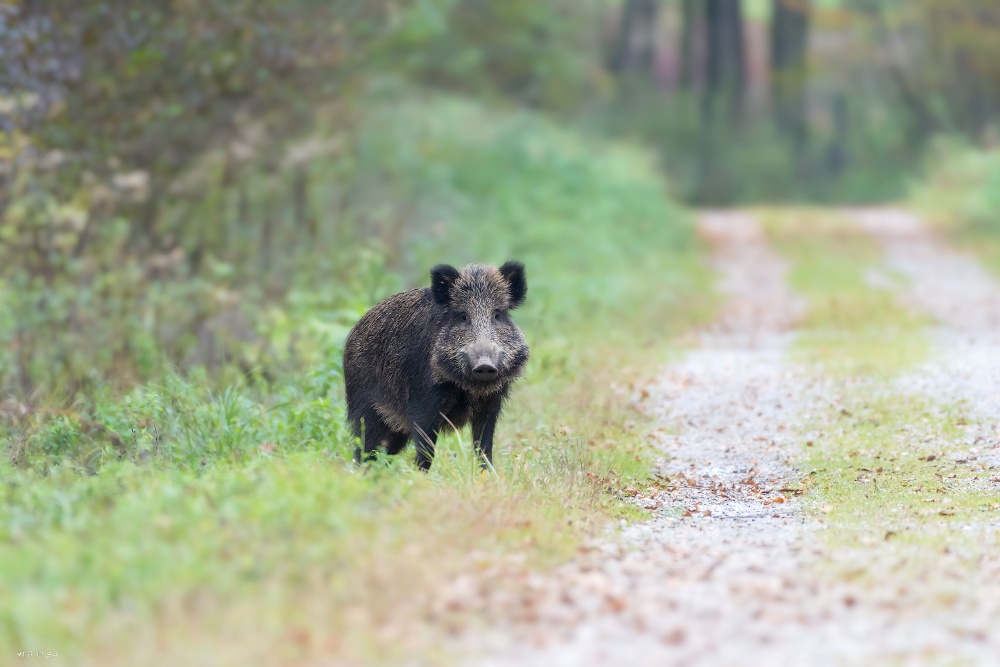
890, 474
184, 522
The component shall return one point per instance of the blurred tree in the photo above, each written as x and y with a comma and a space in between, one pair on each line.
722, 92
725, 67
789, 69
690, 32
955, 45
633, 49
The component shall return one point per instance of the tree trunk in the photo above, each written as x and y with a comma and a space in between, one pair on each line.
645, 50
725, 68
789, 70
690, 29
722, 94
923, 122
837, 155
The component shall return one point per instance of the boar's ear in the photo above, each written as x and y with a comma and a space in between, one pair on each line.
442, 278
513, 273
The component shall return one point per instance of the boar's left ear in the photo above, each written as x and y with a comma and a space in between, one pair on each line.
443, 277
513, 273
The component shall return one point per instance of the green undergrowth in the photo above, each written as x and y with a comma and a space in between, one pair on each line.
853, 323
960, 194
183, 509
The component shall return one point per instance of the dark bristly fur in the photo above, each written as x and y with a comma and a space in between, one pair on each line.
427, 357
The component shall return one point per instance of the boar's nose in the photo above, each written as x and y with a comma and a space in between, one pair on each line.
484, 369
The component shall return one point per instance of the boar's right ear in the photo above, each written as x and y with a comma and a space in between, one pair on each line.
443, 277
513, 273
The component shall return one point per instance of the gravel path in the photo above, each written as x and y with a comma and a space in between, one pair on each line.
730, 571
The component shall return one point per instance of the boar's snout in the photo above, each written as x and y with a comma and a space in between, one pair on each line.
484, 369
484, 361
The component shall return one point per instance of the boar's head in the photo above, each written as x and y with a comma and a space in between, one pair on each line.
478, 346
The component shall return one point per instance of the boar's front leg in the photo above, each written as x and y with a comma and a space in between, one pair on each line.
484, 423
424, 440
425, 416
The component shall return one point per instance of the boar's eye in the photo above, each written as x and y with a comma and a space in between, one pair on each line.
462, 317
498, 315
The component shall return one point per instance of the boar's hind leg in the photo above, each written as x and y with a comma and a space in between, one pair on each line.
484, 423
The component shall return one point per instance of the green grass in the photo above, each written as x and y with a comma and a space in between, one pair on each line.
184, 521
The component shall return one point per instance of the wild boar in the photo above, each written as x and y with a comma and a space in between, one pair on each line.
436, 357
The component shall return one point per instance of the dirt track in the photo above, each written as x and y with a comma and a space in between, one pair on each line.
731, 570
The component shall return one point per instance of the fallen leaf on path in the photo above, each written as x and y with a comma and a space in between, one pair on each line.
615, 603
675, 636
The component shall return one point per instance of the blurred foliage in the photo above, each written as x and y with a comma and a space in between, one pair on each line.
122, 85
964, 183
960, 192
950, 51
830, 100
533, 54
159, 166
110, 109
